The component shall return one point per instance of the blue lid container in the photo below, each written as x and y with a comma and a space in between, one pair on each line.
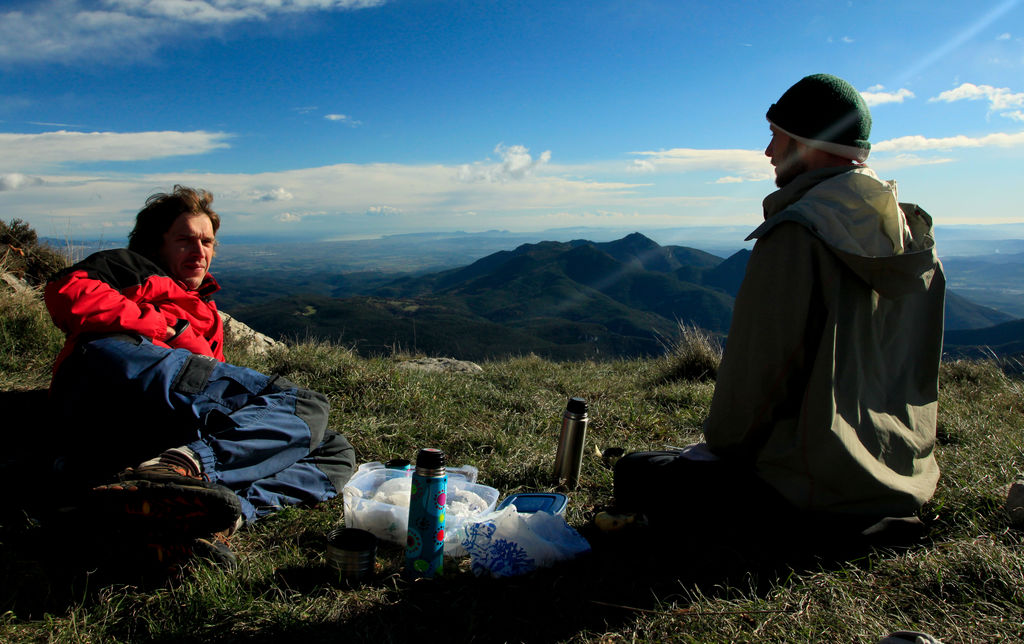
552, 502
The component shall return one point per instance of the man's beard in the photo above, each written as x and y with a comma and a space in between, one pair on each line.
792, 166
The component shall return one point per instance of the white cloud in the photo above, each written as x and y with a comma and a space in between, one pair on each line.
641, 166
198, 11
340, 196
277, 194
36, 151
1004, 36
515, 189
887, 163
16, 181
63, 30
742, 165
905, 143
516, 164
1016, 115
878, 96
1000, 99
343, 118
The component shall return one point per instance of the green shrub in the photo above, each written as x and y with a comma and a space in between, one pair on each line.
22, 255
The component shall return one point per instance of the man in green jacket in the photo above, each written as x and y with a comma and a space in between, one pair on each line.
825, 402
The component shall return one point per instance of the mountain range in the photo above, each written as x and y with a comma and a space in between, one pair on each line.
562, 300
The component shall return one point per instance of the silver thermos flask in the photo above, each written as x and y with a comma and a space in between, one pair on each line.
570, 443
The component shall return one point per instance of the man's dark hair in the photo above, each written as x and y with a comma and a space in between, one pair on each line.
159, 214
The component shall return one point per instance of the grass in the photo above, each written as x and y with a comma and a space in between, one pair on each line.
964, 584
693, 354
28, 340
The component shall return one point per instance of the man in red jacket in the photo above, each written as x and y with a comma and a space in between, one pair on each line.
174, 444
160, 287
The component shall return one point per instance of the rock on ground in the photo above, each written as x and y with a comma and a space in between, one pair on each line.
17, 284
237, 332
449, 365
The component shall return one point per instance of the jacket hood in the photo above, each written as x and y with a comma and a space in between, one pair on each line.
890, 245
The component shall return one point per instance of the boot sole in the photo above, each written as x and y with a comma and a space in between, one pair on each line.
164, 509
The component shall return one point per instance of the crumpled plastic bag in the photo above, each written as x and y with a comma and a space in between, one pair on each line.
509, 543
377, 500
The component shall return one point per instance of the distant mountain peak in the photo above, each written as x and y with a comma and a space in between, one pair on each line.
638, 237
635, 241
640, 250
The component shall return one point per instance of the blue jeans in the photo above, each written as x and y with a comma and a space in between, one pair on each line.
124, 400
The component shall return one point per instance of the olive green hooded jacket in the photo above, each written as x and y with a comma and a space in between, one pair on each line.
829, 381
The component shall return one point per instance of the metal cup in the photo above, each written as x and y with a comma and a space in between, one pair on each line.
352, 552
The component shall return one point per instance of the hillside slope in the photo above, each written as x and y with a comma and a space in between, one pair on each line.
563, 300
962, 583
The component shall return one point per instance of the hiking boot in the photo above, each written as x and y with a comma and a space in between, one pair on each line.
164, 497
172, 465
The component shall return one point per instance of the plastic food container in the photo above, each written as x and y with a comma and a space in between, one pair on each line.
552, 502
376, 499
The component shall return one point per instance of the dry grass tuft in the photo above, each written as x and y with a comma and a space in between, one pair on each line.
694, 354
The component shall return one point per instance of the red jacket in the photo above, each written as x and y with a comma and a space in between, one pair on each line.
120, 291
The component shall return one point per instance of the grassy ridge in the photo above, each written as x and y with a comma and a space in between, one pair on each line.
965, 584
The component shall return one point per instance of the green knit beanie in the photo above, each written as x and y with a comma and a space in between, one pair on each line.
825, 112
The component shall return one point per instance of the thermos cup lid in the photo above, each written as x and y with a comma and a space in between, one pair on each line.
430, 458
577, 406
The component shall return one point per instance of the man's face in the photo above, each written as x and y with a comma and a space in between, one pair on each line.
784, 152
188, 249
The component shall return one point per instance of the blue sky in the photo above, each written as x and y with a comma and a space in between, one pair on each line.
346, 118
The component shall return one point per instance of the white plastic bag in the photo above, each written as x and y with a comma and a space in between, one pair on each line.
508, 542
377, 500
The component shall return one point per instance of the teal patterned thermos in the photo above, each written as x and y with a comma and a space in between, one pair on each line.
424, 547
